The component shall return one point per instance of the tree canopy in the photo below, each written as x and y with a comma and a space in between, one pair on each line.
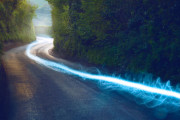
136, 35
16, 21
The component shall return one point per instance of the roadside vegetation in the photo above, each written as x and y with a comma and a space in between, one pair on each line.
16, 21
134, 35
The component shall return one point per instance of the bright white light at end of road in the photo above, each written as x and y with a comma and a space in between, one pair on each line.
157, 96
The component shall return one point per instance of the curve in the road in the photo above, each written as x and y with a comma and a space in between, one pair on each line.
161, 94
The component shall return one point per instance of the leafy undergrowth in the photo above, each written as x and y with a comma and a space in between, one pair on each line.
138, 36
16, 22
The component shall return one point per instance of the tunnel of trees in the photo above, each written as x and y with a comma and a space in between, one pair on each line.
136, 35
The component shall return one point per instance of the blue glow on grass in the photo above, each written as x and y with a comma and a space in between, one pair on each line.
152, 95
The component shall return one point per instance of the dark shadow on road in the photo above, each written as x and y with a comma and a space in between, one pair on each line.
4, 95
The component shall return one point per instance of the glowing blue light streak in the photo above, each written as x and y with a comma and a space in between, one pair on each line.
115, 80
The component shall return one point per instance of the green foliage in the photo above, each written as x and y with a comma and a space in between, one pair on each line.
140, 35
16, 21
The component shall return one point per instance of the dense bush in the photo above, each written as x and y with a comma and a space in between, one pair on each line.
138, 35
16, 21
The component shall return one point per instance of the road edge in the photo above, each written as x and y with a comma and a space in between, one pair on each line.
4, 94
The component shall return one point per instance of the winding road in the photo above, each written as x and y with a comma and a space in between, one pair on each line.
39, 93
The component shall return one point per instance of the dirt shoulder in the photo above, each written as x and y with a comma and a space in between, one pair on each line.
101, 68
10, 45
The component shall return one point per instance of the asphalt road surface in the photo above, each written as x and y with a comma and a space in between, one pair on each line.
39, 93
